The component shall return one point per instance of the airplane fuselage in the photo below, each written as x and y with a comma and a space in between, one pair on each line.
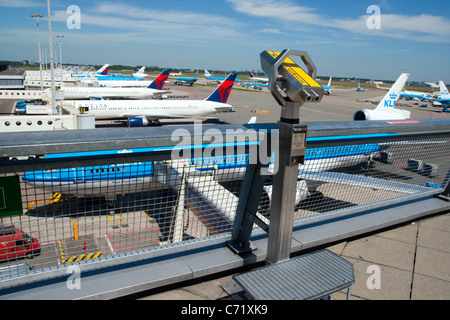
100, 92
154, 109
111, 180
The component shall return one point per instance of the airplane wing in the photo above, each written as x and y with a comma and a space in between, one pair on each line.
361, 181
159, 116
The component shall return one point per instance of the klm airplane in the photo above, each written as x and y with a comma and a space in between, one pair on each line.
327, 88
415, 95
444, 98
110, 181
209, 76
187, 80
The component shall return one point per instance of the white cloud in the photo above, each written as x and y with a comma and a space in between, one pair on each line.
280, 10
20, 3
154, 25
270, 31
424, 27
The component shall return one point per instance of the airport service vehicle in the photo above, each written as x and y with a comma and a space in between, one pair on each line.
142, 112
154, 89
14, 244
386, 110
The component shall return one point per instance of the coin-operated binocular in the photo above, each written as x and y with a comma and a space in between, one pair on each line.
289, 84
292, 87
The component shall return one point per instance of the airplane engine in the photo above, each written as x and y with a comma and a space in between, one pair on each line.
138, 122
393, 114
300, 195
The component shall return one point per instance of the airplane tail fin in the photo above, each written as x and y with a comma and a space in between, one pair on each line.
158, 83
391, 98
329, 82
222, 92
141, 70
103, 70
252, 120
444, 91
196, 74
251, 74
207, 74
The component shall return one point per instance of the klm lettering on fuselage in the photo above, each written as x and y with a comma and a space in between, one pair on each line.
392, 101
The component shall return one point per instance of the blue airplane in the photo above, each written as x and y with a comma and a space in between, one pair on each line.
187, 80
327, 88
102, 74
415, 95
444, 98
256, 85
110, 181
210, 77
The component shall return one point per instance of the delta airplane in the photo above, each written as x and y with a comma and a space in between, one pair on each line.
386, 108
253, 78
102, 74
327, 88
124, 83
103, 71
209, 76
187, 80
176, 74
140, 74
153, 90
142, 112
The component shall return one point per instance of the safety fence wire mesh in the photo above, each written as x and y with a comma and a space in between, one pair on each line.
85, 214
371, 174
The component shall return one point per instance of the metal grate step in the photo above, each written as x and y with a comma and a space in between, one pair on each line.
308, 277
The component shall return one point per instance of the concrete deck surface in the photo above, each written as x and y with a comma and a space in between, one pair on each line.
410, 262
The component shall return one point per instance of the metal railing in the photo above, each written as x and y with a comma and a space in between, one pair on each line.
103, 208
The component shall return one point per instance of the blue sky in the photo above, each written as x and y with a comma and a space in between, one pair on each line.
414, 36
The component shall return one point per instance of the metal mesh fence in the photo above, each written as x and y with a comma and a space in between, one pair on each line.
85, 214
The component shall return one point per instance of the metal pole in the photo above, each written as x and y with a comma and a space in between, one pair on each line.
284, 186
60, 51
39, 46
52, 69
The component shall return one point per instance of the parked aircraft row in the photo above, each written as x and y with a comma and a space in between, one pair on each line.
155, 88
440, 98
144, 112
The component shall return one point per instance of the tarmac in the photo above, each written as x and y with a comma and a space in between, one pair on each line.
409, 262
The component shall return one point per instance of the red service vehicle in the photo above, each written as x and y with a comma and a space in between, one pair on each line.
14, 244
